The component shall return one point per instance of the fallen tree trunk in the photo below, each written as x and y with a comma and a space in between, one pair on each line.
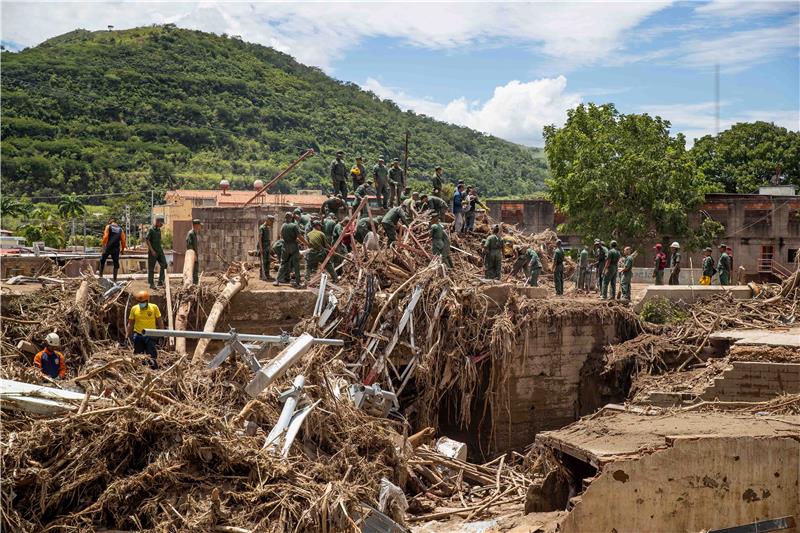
235, 284
82, 295
185, 307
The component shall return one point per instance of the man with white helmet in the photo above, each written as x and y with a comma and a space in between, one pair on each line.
49, 361
675, 263
142, 316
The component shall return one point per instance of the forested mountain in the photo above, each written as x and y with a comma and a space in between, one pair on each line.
162, 107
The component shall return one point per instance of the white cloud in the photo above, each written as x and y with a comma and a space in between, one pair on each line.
320, 33
740, 50
699, 119
746, 9
516, 111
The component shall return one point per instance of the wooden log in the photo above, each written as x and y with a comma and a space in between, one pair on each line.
82, 295
235, 284
170, 322
185, 307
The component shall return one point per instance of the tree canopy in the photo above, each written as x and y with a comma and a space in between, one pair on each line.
621, 175
161, 107
749, 155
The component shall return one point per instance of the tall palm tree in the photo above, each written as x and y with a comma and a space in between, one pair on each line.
70, 206
11, 207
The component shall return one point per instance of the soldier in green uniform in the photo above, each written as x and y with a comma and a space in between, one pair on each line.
327, 226
397, 182
390, 220
558, 267
436, 204
440, 242
363, 190
610, 274
410, 202
290, 256
627, 274
381, 176
600, 254
405, 195
303, 220
493, 254
437, 181
675, 264
583, 270
318, 247
533, 267
364, 226
155, 253
724, 266
358, 173
264, 245
332, 205
277, 248
708, 268
192, 238
339, 175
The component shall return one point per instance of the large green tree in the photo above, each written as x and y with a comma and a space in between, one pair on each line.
748, 155
621, 175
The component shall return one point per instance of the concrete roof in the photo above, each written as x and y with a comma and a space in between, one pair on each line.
240, 197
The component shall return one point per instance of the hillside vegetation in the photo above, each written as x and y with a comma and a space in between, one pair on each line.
161, 107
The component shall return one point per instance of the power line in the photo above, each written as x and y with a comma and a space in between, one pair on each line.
98, 195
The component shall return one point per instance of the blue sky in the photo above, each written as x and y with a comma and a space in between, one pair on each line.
504, 68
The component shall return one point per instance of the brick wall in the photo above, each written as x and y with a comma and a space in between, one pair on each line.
747, 381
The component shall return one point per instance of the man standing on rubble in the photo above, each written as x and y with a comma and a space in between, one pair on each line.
155, 253
583, 270
290, 256
390, 221
437, 181
610, 273
358, 173
675, 264
708, 268
113, 244
600, 253
458, 208
381, 176
142, 316
627, 274
318, 247
558, 268
339, 175
397, 181
192, 238
440, 242
264, 246
50, 361
659, 264
724, 266
493, 253
534, 267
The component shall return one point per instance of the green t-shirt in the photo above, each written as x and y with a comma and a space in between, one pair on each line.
191, 240
558, 256
289, 233
380, 173
493, 243
533, 259
613, 259
316, 240
708, 266
437, 233
393, 215
265, 236
154, 238
724, 263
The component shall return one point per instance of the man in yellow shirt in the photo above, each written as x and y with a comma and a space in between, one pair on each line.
142, 316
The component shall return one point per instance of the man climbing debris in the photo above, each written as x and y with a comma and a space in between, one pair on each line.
558, 268
533, 267
318, 247
436, 204
493, 253
290, 253
440, 242
155, 253
363, 191
583, 270
144, 315
390, 221
397, 182
627, 274
610, 273
364, 226
358, 173
411, 202
192, 243
659, 264
708, 268
339, 175
113, 244
264, 246
724, 266
333, 204
675, 264
50, 361
381, 176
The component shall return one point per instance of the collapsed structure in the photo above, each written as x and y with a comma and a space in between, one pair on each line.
450, 398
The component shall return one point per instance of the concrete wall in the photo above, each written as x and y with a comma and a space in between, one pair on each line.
748, 381
695, 485
545, 376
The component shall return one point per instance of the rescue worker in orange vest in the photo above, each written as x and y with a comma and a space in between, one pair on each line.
49, 361
113, 243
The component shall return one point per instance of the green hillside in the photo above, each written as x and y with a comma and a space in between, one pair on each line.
161, 107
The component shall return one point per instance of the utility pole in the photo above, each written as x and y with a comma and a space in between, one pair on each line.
127, 220
405, 162
151, 205
716, 98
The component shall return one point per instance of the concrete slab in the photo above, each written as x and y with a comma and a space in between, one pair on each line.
691, 293
760, 337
